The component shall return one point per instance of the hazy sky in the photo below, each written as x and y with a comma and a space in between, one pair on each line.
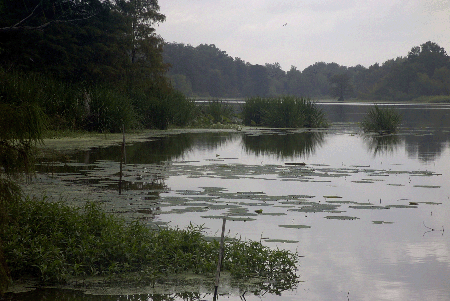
347, 32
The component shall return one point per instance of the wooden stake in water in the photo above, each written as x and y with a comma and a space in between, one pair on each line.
219, 263
123, 158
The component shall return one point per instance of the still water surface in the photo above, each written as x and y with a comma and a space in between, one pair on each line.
368, 213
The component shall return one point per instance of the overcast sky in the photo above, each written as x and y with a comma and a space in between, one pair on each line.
302, 32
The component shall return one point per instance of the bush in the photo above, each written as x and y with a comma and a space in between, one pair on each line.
108, 111
54, 242
381, 120
283, 112
218, 111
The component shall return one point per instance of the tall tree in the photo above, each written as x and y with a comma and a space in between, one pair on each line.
340, 86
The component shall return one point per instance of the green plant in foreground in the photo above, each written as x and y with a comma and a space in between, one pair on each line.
54, 242
381, 120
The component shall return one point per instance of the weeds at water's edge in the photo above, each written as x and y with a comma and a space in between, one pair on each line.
55, 243
283, 112
381, 120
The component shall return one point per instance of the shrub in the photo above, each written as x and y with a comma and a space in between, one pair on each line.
108, 111
283, 112
381, 120
218, 111
54, 242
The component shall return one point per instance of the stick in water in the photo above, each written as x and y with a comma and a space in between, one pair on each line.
219, 263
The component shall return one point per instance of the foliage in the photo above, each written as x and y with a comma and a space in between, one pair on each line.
206, 70
340, 86
381, 120
22, 124
250, 259
99, 108
53, 242
283, 112
218, 111
88, 61
108, 111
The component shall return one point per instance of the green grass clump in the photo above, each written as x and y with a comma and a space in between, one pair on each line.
381, 120
54, 243
283, 112
214, 114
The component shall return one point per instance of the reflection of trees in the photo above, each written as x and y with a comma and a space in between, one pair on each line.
382, 144
284, 145
159, 149
426, 147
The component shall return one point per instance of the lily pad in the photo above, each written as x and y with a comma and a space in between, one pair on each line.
341, 217
367, 207
427, 186
295, 226
286, 241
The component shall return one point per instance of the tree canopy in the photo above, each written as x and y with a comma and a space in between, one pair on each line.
98, 62
206, 70
89, 41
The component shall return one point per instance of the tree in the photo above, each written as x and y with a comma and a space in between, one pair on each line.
259, 81
340, 86
21, 127
38, 15
428, 57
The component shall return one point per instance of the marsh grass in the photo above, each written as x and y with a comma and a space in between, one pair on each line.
214, 114
54, 243
283, 112
381, 120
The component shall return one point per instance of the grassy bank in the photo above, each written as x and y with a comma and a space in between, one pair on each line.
55, 243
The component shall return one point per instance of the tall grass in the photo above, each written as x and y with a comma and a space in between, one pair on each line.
54, 242
381, 120
100, 108
283, 112
217, 111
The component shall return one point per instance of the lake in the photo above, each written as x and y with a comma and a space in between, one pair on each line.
368, 214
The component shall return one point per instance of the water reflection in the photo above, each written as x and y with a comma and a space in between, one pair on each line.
74, 295
426, 145
160, 149
283, 145
425, 127
382, 144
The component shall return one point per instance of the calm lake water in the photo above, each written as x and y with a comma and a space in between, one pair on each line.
368, 214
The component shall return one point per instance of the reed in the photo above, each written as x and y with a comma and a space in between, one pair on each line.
381, 120
283, 112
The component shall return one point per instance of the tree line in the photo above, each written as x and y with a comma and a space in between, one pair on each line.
207, 71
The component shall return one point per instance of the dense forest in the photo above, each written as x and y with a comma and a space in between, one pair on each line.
88, 65
206, 71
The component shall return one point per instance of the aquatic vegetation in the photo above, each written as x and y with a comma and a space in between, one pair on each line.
218, 111
283, 112
295, 226
54, 242
381, 120
381, 222
342, 217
